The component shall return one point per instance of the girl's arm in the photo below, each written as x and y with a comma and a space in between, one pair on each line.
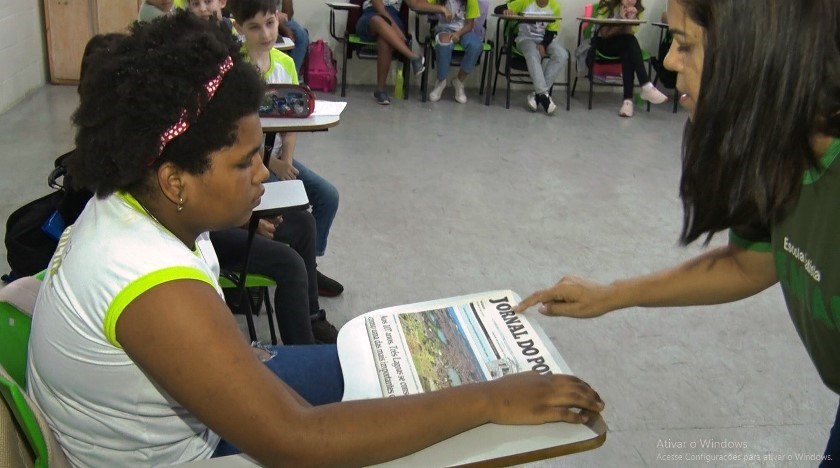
187, 341
720, 275
468, 26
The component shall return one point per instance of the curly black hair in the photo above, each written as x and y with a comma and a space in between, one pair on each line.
140, 85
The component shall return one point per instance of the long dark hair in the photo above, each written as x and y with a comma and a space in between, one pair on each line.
770, 82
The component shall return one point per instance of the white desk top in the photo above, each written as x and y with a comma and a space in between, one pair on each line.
528, 18
315, 122
282, 196
343, 5
631, 22
284, 43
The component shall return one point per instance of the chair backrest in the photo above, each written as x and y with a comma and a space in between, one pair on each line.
17, 300
25, 438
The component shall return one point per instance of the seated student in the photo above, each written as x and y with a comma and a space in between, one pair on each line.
535, 41
256, 21
151, 9
380, 22
293, 30
290, 263
620, 41
134, 358
458, 28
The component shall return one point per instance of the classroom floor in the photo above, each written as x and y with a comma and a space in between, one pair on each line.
443, 199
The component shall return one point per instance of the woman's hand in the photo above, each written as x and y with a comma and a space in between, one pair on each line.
447, 14
629, 13
532, 398
266, 227
570, 297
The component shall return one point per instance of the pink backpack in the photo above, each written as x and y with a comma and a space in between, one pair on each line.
320, 67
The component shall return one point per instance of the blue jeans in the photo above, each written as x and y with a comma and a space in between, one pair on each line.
323, 196
298, 53
472, 45
311, 370
832, 448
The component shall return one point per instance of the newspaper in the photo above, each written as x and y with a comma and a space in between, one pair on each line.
429, 346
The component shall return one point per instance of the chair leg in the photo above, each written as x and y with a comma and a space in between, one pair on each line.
574, 85
269, 310
591, 86
424, 79
343, 69
483, 74
568, 80
676, 99
406, 78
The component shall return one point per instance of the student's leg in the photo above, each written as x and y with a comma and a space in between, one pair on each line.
282, 264
389, 31
323, 196
443, 54
312, 371
558, 56
533, 60
618, 46
384, 55
473, 45
298, 54
298, 231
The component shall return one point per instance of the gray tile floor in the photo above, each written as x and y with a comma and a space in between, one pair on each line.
446, 199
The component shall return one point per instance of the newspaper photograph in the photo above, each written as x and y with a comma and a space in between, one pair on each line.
473, 340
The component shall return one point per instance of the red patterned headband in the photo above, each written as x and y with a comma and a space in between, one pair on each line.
182, 125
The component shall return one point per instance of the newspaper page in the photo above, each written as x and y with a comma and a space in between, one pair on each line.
475, 339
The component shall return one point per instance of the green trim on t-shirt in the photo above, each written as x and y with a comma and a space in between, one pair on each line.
813, 174
137, 287
748, 244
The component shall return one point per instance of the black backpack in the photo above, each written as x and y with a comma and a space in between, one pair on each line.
33, 230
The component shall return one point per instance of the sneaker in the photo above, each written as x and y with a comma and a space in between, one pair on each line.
418, 64
547, 103
434, 96
324, 331
626, 108
460, 95
532, 101
382, 98
653, 95
328, 287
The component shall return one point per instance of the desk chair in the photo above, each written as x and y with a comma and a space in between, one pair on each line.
17, 301
601, 70
669, 78
515, 70
260, 284
457, 50
351, 42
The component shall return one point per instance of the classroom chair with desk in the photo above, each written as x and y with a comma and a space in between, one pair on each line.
458, 50
510, 63
601, 70
352, 42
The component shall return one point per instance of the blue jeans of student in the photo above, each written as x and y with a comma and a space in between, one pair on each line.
832, 448
543, 74
323, 196
472, 45
311, 370
298, 54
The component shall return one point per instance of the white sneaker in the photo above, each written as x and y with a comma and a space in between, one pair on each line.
434, 96
551, 106
626, 108
653, 95
460, 95
532, 101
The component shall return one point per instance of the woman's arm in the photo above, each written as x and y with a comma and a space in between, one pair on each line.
282, 165
720, 275
185, 338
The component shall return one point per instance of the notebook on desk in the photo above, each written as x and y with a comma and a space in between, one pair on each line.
282, 196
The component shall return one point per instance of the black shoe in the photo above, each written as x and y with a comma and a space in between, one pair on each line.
324, 331
328, 287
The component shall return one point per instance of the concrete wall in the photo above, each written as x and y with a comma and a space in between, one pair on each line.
22, 50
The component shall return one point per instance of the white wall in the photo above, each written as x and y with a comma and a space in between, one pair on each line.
23, 67
314, 15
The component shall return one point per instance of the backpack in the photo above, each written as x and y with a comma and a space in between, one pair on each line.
33, 230
321, 73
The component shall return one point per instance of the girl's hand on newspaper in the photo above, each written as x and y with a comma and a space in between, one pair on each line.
531, 398
570, 297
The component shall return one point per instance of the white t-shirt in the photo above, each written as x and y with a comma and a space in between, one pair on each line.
103, 409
